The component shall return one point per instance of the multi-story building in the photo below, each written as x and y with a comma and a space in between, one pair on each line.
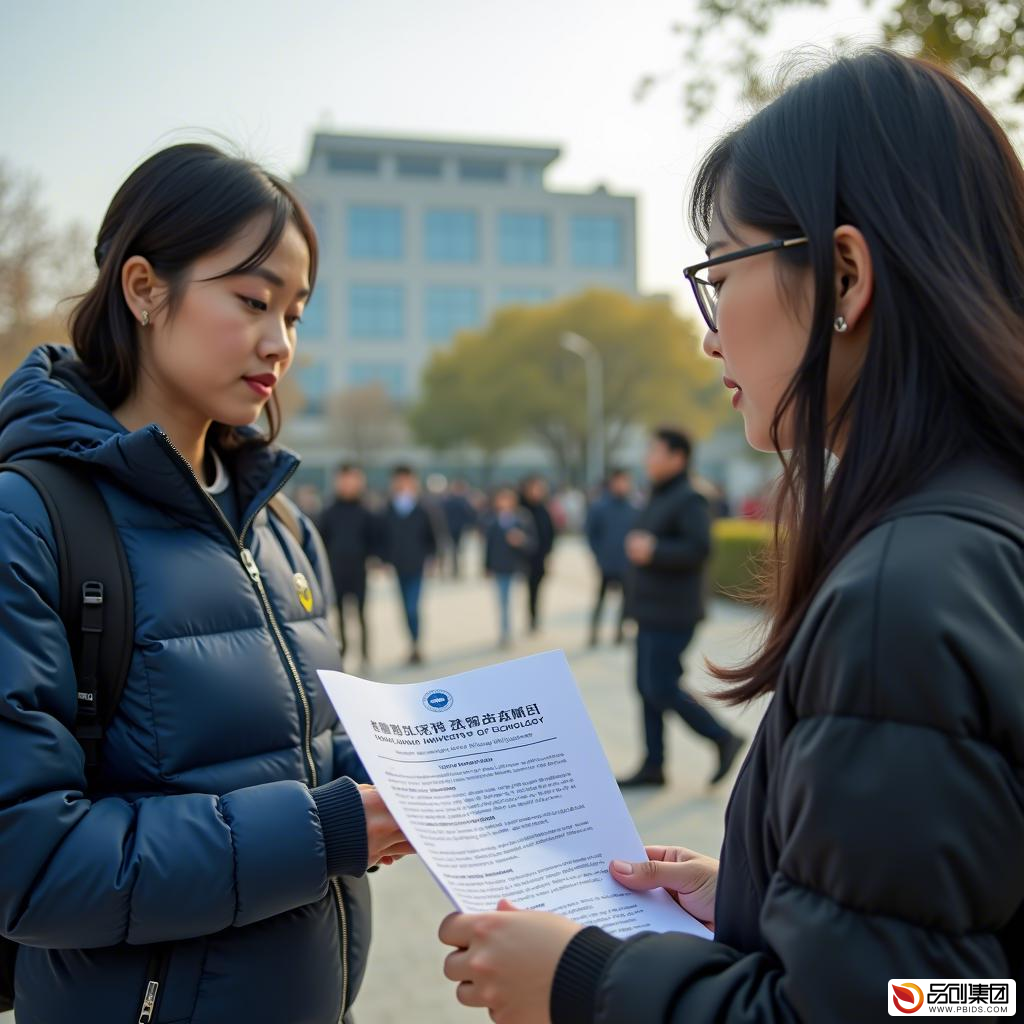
420, 239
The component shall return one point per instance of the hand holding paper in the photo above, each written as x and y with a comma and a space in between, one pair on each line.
498, 780
384, 837
689, 878
506, 961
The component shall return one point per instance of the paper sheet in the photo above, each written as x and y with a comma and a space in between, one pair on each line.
498, 779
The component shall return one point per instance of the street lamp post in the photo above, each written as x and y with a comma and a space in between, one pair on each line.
594, 367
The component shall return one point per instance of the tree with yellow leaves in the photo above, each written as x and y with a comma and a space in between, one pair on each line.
512, 381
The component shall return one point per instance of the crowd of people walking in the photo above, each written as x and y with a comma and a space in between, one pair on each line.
417, 533
651, 551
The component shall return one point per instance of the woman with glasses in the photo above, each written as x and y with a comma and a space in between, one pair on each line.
864, 291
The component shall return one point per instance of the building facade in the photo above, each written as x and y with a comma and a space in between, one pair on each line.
420, 239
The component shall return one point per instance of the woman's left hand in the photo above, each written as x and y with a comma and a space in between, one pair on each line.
506, 961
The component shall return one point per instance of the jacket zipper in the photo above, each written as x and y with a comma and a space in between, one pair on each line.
156, 976
252, 570
343, 932
254, 574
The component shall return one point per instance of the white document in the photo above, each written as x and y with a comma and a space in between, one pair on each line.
498, 779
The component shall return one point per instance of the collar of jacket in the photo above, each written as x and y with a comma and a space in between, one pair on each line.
671, 482
48, 411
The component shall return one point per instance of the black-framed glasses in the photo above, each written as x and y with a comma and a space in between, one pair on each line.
707, 294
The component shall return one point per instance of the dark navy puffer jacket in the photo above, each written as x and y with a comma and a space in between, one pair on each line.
214, 848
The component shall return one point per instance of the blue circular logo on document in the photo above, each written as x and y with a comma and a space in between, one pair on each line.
438, 700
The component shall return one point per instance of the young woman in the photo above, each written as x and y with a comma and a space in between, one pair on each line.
865, 294
210, 871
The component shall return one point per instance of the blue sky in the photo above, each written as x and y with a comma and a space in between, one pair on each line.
90, 88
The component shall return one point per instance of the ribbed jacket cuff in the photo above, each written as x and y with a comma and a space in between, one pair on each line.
574, 992
343, 823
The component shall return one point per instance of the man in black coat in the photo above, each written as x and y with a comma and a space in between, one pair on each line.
533, 497
668, 552
350, 531
409, 541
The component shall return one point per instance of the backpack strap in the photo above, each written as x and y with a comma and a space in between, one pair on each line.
285, 512
96, 593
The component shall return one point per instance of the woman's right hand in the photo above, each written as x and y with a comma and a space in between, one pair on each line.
689, 878
385, 839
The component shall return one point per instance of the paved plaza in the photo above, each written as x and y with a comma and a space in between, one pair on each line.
404, 983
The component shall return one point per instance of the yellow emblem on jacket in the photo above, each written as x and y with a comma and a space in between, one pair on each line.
303, 590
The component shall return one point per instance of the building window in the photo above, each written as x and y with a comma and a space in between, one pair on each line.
389, 376
419, 167
375, 232
483, 170
313, 381
525, 295
353, 163
451, 308
314, 315
524, 239
596, 241
376, 311
452, 236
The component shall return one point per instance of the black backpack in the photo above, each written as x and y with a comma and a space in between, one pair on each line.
97, 608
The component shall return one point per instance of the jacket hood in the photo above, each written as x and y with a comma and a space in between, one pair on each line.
48, 410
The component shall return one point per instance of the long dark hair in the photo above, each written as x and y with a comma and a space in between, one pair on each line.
903, 151
180, 204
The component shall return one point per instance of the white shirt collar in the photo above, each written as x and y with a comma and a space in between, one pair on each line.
221, 480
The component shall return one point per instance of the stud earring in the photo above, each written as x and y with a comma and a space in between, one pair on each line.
840, 324
145, 318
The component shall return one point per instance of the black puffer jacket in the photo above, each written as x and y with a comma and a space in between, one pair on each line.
876, 830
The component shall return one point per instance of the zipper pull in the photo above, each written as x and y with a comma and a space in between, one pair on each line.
250, 565
149, 1003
